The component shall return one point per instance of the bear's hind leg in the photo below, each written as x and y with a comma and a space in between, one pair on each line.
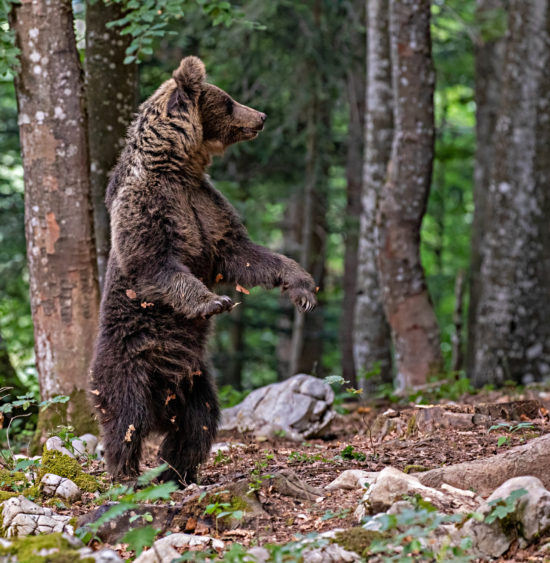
192, 429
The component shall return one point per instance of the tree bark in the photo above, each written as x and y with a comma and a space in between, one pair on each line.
404, 197
372, 341
355, 84
489, 58
58, 220
306, 347
111, 95
512, 339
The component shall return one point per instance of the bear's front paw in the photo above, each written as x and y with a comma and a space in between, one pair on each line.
215, 306
303, 298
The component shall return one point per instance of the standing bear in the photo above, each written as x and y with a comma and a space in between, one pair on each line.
173, 237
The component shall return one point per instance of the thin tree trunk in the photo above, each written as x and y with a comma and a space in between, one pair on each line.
58, 219
306, 348
513, 335
111, 95
8, 377
372, 341
356, 100
404, 197
489, 59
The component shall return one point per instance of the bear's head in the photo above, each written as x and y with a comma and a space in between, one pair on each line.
224, 121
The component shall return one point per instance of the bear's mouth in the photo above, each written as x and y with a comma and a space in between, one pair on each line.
251, 130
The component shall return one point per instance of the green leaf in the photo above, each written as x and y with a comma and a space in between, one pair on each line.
139, 538
335, 380
502, 440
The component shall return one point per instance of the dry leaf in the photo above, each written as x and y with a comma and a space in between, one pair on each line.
129, 432
144, 305
191, 524
94, 391
173, 420
198, 372
317, 289
242, 289
169, 398
219, 278
205, 427
131, 293
248, 264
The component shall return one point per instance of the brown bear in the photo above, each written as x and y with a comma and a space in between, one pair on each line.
174, 236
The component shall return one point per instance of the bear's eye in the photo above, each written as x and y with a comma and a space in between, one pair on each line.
229, 106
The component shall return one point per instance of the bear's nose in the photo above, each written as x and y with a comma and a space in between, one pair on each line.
263, 117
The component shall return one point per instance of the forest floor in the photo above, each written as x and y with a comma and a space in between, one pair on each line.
318, 462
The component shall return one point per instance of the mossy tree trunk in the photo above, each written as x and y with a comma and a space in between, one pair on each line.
58, 219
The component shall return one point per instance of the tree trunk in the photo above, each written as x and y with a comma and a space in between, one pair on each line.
405, 194
354, 164
372, 342
489, 58
58, 219
306, 348
513, 335
8, 377
111, 95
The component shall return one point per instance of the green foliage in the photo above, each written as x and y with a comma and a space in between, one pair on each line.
301, 457
128, 498
229, 396
8, 51
502, 508
349, 452
138, 538
147, 20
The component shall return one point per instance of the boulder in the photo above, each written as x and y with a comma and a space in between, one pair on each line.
56, 486
85, 444
300, 407
21, 517
529, 520
56, 443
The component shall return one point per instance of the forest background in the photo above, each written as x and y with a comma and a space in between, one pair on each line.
305, 65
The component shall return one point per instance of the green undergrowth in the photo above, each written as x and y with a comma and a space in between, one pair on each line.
54, 547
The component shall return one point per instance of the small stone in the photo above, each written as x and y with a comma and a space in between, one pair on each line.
56, 486
56, 443
353, 479
85, 444
165, 548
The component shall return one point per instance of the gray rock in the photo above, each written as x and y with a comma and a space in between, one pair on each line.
85, 444
56, 486
529, 520
21, 517
353, 479
56, 443
331, 553
391, 485
164, 551
301, 407
101, 556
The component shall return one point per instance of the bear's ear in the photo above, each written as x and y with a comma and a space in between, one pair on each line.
190, 75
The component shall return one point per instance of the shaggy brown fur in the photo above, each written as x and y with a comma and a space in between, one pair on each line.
173, 235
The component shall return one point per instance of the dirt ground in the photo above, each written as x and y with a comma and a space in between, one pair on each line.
318, 462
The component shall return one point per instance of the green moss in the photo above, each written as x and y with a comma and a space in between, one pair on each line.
412, 468
76, 412
5, 495
60, 464
26, 549
357, 539
87, 483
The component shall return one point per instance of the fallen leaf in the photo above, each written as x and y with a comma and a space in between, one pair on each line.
198, 372
219, 278
129, 432
242, 289
317, 289
144, 305
131, 293
205, 427
201, 529
173, 420
248, 264
94, 391
169, 398
191, 524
